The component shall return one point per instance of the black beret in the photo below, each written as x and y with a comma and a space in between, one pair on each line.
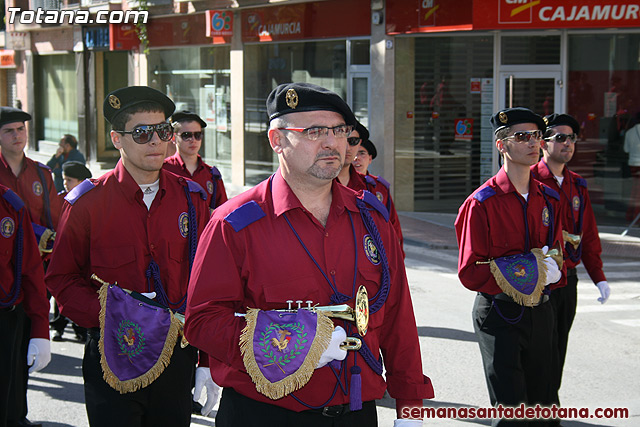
368, 145
297, 97
362, 131
513, 116
562, 119
76, 170
187, 116
121, 99
12, 115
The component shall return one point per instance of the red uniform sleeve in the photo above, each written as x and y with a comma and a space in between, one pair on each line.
591, 246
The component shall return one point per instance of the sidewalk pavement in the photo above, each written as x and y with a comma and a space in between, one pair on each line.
435, 231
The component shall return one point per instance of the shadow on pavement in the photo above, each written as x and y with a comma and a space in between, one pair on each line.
446, 333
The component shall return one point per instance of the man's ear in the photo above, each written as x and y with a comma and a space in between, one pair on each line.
115, 139
275, 140
500, 145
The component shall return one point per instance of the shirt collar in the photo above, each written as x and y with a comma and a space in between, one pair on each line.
504, 183
130, 187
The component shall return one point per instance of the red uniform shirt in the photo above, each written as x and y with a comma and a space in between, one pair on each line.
574, 197
491, 224
31, 189
33, 294
263, 264
380, 188
202, 175
109, 231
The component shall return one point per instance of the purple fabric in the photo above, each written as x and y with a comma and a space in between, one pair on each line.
134, 334
521, 271
281, 342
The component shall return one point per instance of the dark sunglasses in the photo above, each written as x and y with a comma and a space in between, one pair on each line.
525, 136
144, 133
562, 137
354, 140
189, 135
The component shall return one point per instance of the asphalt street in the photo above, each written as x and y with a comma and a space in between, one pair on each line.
602, 368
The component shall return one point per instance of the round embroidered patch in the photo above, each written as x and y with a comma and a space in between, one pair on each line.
210, 187
370, 250
576, 203
183, 224
37, 188
7, 227
379, 196
545, 216
130, 338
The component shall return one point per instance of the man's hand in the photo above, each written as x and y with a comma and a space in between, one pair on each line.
605, 291
333, 351
38, 354
553, 272
204, 380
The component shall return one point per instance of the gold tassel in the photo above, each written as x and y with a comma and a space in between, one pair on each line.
518, 297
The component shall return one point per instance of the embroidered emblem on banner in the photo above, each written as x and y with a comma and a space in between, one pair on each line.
37, 188
379, 196
210, 187
130, 339
575, 203
183, 224
370, 250
545, 216
7, 227
114, 101
503, 117
280, 350
522, 277
292, 98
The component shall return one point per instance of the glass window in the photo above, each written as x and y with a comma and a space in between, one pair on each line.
359, 52
197, 79
603, 91
438, 121
56, 97
267, 66
520, 50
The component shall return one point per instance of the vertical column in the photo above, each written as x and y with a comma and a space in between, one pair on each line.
237, 103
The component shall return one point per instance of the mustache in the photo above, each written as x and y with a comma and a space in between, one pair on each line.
328, 153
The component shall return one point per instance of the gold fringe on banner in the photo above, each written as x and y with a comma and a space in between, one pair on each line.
294, 381
128, 386
517, 296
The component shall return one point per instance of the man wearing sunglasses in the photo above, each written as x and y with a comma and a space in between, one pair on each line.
188, 133
301, 236
579, 229
504, 230
351, 178
136, 227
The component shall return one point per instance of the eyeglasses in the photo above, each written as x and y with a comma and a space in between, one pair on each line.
562, 138
341, 131
143, 133
525, 136
354, 140
189, 135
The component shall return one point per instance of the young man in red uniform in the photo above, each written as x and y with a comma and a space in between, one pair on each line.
24, 309
351, 178
511, 215
364, 156
138, 226
302, 236
188, 131
579, 229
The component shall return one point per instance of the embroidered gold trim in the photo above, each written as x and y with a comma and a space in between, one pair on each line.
517, 296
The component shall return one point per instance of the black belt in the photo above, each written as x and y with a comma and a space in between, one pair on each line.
504, 297
94, 333
572, 272
7, 309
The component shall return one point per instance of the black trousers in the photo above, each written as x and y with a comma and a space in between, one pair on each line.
237, 410
165, 402
518, 357
564, 301
15, 330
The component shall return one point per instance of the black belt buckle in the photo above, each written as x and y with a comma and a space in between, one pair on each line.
8, 309
334, 411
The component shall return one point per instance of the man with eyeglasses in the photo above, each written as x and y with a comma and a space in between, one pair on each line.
188, 131
505, 231
300, 236
351, 178
135, 228
579, 229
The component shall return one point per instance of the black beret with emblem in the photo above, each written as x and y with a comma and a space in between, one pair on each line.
187, 116
76, 170
298, 97
12, 115
513, 116
562, 119
121, 99
362, 131
368, 145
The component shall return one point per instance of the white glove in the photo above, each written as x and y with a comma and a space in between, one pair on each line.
333, 351
150, 295
204, 380
605, 291
406, 422
553, 272
38, 354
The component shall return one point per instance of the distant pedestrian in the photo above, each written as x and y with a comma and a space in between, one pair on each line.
67, 152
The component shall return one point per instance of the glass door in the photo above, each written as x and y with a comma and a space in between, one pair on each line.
540, 91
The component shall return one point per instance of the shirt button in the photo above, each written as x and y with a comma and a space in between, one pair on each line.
326, 234
153, 246
332, 272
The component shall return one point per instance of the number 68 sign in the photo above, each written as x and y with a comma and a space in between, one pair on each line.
219, 23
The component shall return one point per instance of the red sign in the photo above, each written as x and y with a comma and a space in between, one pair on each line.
420, 16
7, 59
123, 37
307, 21
523, 14
180, 30
219, 24
463, 129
